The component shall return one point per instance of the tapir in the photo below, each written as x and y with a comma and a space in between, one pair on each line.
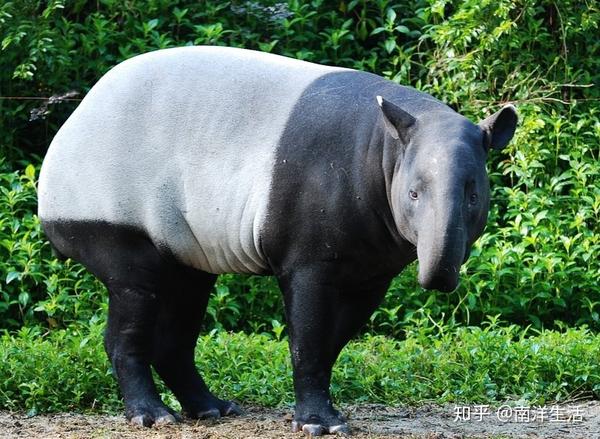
185, 163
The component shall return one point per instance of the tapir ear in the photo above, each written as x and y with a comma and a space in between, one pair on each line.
499, 128
397, 121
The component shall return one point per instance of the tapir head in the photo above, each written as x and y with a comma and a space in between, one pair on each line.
440, 190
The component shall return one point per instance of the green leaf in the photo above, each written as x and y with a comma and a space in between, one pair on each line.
391, 15
24, 298
12, 275
390, 45
30, 171
402, 29
152, 23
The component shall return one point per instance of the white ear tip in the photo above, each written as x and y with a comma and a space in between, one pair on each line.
379, 100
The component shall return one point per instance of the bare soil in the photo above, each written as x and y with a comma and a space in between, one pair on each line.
580, 420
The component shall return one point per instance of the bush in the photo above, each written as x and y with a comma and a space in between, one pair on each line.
539, 259
34, 285
463, 365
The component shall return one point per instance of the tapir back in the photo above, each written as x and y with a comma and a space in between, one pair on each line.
179, 144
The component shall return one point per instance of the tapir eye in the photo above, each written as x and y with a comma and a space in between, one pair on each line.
473, 198
413, 195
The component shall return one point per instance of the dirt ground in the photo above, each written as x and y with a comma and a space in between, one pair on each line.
581, 420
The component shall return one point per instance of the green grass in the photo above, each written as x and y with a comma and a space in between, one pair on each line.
68, 370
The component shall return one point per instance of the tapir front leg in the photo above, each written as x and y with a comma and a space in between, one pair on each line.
321, 317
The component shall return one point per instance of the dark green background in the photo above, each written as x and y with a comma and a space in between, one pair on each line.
538, 262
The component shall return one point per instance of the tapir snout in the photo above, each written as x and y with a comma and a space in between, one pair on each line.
439, 262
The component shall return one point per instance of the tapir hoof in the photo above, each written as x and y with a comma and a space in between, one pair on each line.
157, 416
215, 410
231, 409
311, 430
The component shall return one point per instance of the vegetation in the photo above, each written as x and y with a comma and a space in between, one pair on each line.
537, 263
462, 365
536, 266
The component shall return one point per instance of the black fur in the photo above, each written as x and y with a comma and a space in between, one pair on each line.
156, 307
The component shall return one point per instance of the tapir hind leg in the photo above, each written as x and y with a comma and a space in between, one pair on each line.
182, 306
132, 269
322, 317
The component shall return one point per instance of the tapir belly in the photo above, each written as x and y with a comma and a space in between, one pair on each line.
179, 144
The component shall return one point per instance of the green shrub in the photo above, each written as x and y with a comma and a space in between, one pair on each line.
539, 259
463, 365
35, 286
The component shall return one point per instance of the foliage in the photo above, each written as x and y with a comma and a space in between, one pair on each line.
539, 259
466, 364
32, 281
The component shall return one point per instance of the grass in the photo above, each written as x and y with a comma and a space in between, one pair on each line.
67, 370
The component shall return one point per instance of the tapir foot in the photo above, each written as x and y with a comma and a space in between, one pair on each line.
211, 408
316, 425
147, 416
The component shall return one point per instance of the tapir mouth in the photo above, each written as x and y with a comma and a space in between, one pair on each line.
440, 274
445, 280
440, 257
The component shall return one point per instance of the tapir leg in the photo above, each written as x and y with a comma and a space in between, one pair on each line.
128, 341
322, 317
132, 269
182, 306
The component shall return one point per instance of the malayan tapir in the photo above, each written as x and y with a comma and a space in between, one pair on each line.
181, 164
